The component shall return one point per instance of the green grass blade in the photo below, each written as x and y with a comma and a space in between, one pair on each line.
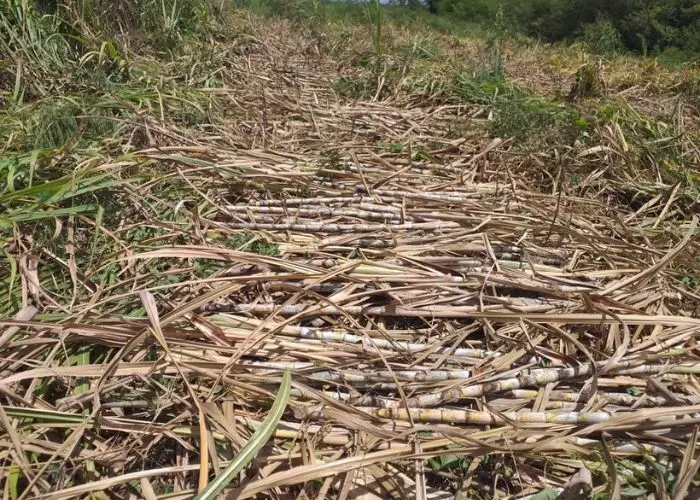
81, 358
43, 415
252, 447
48, 214
13, 270
13, 481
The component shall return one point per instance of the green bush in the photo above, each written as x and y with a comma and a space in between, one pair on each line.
530, 120
52, 124
602, 38
474, 10
673, 56
162, 22
638, 25
481, 87
554, 20
526, 118
31, 39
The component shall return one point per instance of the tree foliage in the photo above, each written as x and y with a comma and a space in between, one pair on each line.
640, 25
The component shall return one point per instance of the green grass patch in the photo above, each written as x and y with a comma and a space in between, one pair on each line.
352, 87
247, 241
530, 119
517, 114
481, 87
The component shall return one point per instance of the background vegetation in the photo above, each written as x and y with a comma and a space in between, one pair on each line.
670, 27
666, 28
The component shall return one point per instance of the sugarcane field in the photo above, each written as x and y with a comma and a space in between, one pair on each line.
305, 250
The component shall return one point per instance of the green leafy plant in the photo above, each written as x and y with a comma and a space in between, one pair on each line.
253, 446
588, 81
519, 115
248, 242
495, 42
530, 119
421, 48
546, 494
481, 87
35, 46
602, 38
449, 462
351, 87
374, 18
